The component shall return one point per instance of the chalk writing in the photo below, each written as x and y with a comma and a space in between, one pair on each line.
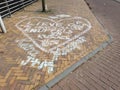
26, 45
48, 34
57, 37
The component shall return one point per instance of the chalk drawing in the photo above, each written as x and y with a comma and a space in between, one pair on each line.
43, 30
59, 16
58, 35
70, 47
26, 45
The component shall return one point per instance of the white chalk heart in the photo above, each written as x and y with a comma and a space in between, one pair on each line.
48, 34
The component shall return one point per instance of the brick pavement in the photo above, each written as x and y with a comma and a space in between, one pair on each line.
19, 73
101, 72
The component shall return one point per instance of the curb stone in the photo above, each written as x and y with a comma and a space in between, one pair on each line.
77, 64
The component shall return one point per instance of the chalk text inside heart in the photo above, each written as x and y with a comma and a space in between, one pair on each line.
48, 35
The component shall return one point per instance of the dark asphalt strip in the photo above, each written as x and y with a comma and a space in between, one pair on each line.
118, 1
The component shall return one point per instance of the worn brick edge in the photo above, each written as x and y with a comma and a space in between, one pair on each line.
74, 66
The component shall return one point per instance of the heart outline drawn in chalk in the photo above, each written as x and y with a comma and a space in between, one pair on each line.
48, 34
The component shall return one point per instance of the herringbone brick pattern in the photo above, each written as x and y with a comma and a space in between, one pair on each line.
14, 76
